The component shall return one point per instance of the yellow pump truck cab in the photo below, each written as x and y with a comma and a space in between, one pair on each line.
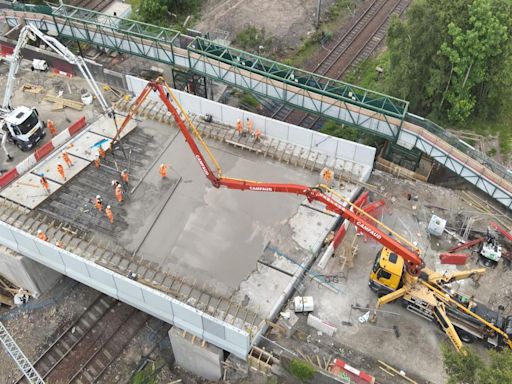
386, 275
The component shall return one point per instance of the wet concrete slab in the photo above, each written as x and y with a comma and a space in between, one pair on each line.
27, 190
210, 235
106, 126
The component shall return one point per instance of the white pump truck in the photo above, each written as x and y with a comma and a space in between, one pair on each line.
21, 125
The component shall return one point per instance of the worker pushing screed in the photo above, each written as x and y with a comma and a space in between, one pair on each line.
44, 183
98, 203
67, 159
124, 176
163, 170
60, 169
119, 193
110, 215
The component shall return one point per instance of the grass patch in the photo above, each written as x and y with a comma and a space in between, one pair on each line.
500, 126
251, 39
249, 99
166, 14
330, 23
366, 75
301, 370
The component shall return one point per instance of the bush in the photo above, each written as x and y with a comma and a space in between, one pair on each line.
302, 370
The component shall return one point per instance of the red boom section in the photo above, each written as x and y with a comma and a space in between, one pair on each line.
413, 260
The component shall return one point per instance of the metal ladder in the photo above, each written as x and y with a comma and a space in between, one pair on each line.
19, 357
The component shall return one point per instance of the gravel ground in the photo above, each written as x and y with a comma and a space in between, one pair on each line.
287, 22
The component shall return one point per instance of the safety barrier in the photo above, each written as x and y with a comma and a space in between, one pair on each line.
42, 152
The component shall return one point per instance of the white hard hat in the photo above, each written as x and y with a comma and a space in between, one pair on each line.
39, 231
237, 120
98, 196
59, 163
108, 206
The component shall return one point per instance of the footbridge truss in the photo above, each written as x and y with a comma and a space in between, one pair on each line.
364, 109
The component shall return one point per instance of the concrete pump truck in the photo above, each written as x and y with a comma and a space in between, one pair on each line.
399, 273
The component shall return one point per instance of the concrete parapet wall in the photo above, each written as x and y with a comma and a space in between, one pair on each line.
326, 144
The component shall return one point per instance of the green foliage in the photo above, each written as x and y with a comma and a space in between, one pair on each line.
338, 8
302, 370
250, 100
365, 73
251, 38
153, 11
349, 133
339, 130
148, 375
452, 59
469, 368
167, 13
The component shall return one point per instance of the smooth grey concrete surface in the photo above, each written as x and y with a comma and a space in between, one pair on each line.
26, 273
214, 236
191, 354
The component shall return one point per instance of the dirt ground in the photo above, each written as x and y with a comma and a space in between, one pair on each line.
287, 22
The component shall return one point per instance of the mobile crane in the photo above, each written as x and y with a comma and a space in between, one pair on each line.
21, 125
398, 273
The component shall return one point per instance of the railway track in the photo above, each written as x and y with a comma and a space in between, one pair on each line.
356, 44
85, 349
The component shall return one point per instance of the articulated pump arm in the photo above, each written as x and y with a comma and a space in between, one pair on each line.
360, 219
31, 32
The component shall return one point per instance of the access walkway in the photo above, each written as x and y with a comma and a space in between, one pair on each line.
348, 104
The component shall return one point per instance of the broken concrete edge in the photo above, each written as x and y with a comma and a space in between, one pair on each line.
42, 152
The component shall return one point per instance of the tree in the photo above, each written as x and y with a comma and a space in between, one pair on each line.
469, 368
154, 11
448, 56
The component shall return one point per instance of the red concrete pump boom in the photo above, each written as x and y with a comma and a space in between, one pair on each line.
413, 261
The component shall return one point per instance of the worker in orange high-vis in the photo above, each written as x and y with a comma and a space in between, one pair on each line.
110, 215
119, 194
60, 169
239, 127
250, 127
115, 184
98, 203
163, 170
101, 152
124, 176
257, 135
44, 183
97, 161
41, 235
51, 127
67, 159
59, 244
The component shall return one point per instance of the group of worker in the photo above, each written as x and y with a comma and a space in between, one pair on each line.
255, 133
42, 236
118, 187
60, 169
